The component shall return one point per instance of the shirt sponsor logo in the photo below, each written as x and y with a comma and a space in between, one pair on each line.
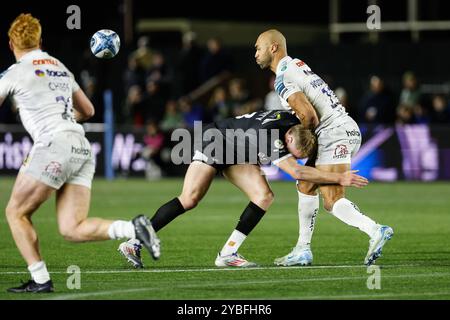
75, 160
353, 133
81, 151
340, 152
53, 171
54, 168
56, 73
45, 61
39, 73
60, 86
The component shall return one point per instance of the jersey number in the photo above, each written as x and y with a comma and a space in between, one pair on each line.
334, 101
68, 111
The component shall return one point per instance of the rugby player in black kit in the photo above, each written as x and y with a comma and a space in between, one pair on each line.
237, 147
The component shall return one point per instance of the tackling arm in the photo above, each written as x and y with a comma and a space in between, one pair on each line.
298, 172
304, 110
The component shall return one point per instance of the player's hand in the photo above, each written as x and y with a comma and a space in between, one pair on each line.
351, 179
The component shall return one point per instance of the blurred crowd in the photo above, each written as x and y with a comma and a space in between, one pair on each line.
163, 91
380, 105
158, 93
159, 98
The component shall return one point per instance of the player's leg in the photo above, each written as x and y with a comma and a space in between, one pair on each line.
346, 211
334, 201
250, 180
72, 208
27, 195
308, 207
197, 180
196, 183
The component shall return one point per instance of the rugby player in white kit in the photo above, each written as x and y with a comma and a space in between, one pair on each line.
338, 137
50, 102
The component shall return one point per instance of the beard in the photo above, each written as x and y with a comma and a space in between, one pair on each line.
264, 64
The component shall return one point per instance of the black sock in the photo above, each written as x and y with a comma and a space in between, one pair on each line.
249, 218
166, 213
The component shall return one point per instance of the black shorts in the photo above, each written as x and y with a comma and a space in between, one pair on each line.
214, 160
227, 156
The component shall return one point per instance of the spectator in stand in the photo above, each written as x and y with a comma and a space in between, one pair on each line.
143, 55
238, 96
153, 144
172, 117
134, 75
187, 66
272, 100
405, 114
154, 101
377, 105
440, 113
215, 61
160, 73
410, 94
218, 106
240, 100
190, 112
134, 107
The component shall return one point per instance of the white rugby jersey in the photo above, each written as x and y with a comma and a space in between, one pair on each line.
293, 75
41, 88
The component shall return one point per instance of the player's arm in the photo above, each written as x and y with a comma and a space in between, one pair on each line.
304, 110
82, 105
298, 172
2, 99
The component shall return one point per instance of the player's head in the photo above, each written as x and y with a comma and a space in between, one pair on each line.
300, 142
25, 33
269, 44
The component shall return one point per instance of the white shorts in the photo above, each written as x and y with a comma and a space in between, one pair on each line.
63, 158
339, 144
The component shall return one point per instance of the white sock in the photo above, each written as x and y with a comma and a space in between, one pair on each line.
233, 243
308, 207
39, 272
121, 229
349, 213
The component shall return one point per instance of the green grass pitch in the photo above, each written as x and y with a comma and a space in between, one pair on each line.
415, 263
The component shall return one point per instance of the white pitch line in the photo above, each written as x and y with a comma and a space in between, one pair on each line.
235, 283
357, 296
217, 269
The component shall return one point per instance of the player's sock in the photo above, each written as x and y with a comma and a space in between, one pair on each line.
349, 213
121, 229
233, 243
39, 272
247, 222
166, 213
308, 207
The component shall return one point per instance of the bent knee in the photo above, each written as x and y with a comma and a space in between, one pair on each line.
189, 201
15, 212
69, 232
264, 199
329, 203
307, 188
